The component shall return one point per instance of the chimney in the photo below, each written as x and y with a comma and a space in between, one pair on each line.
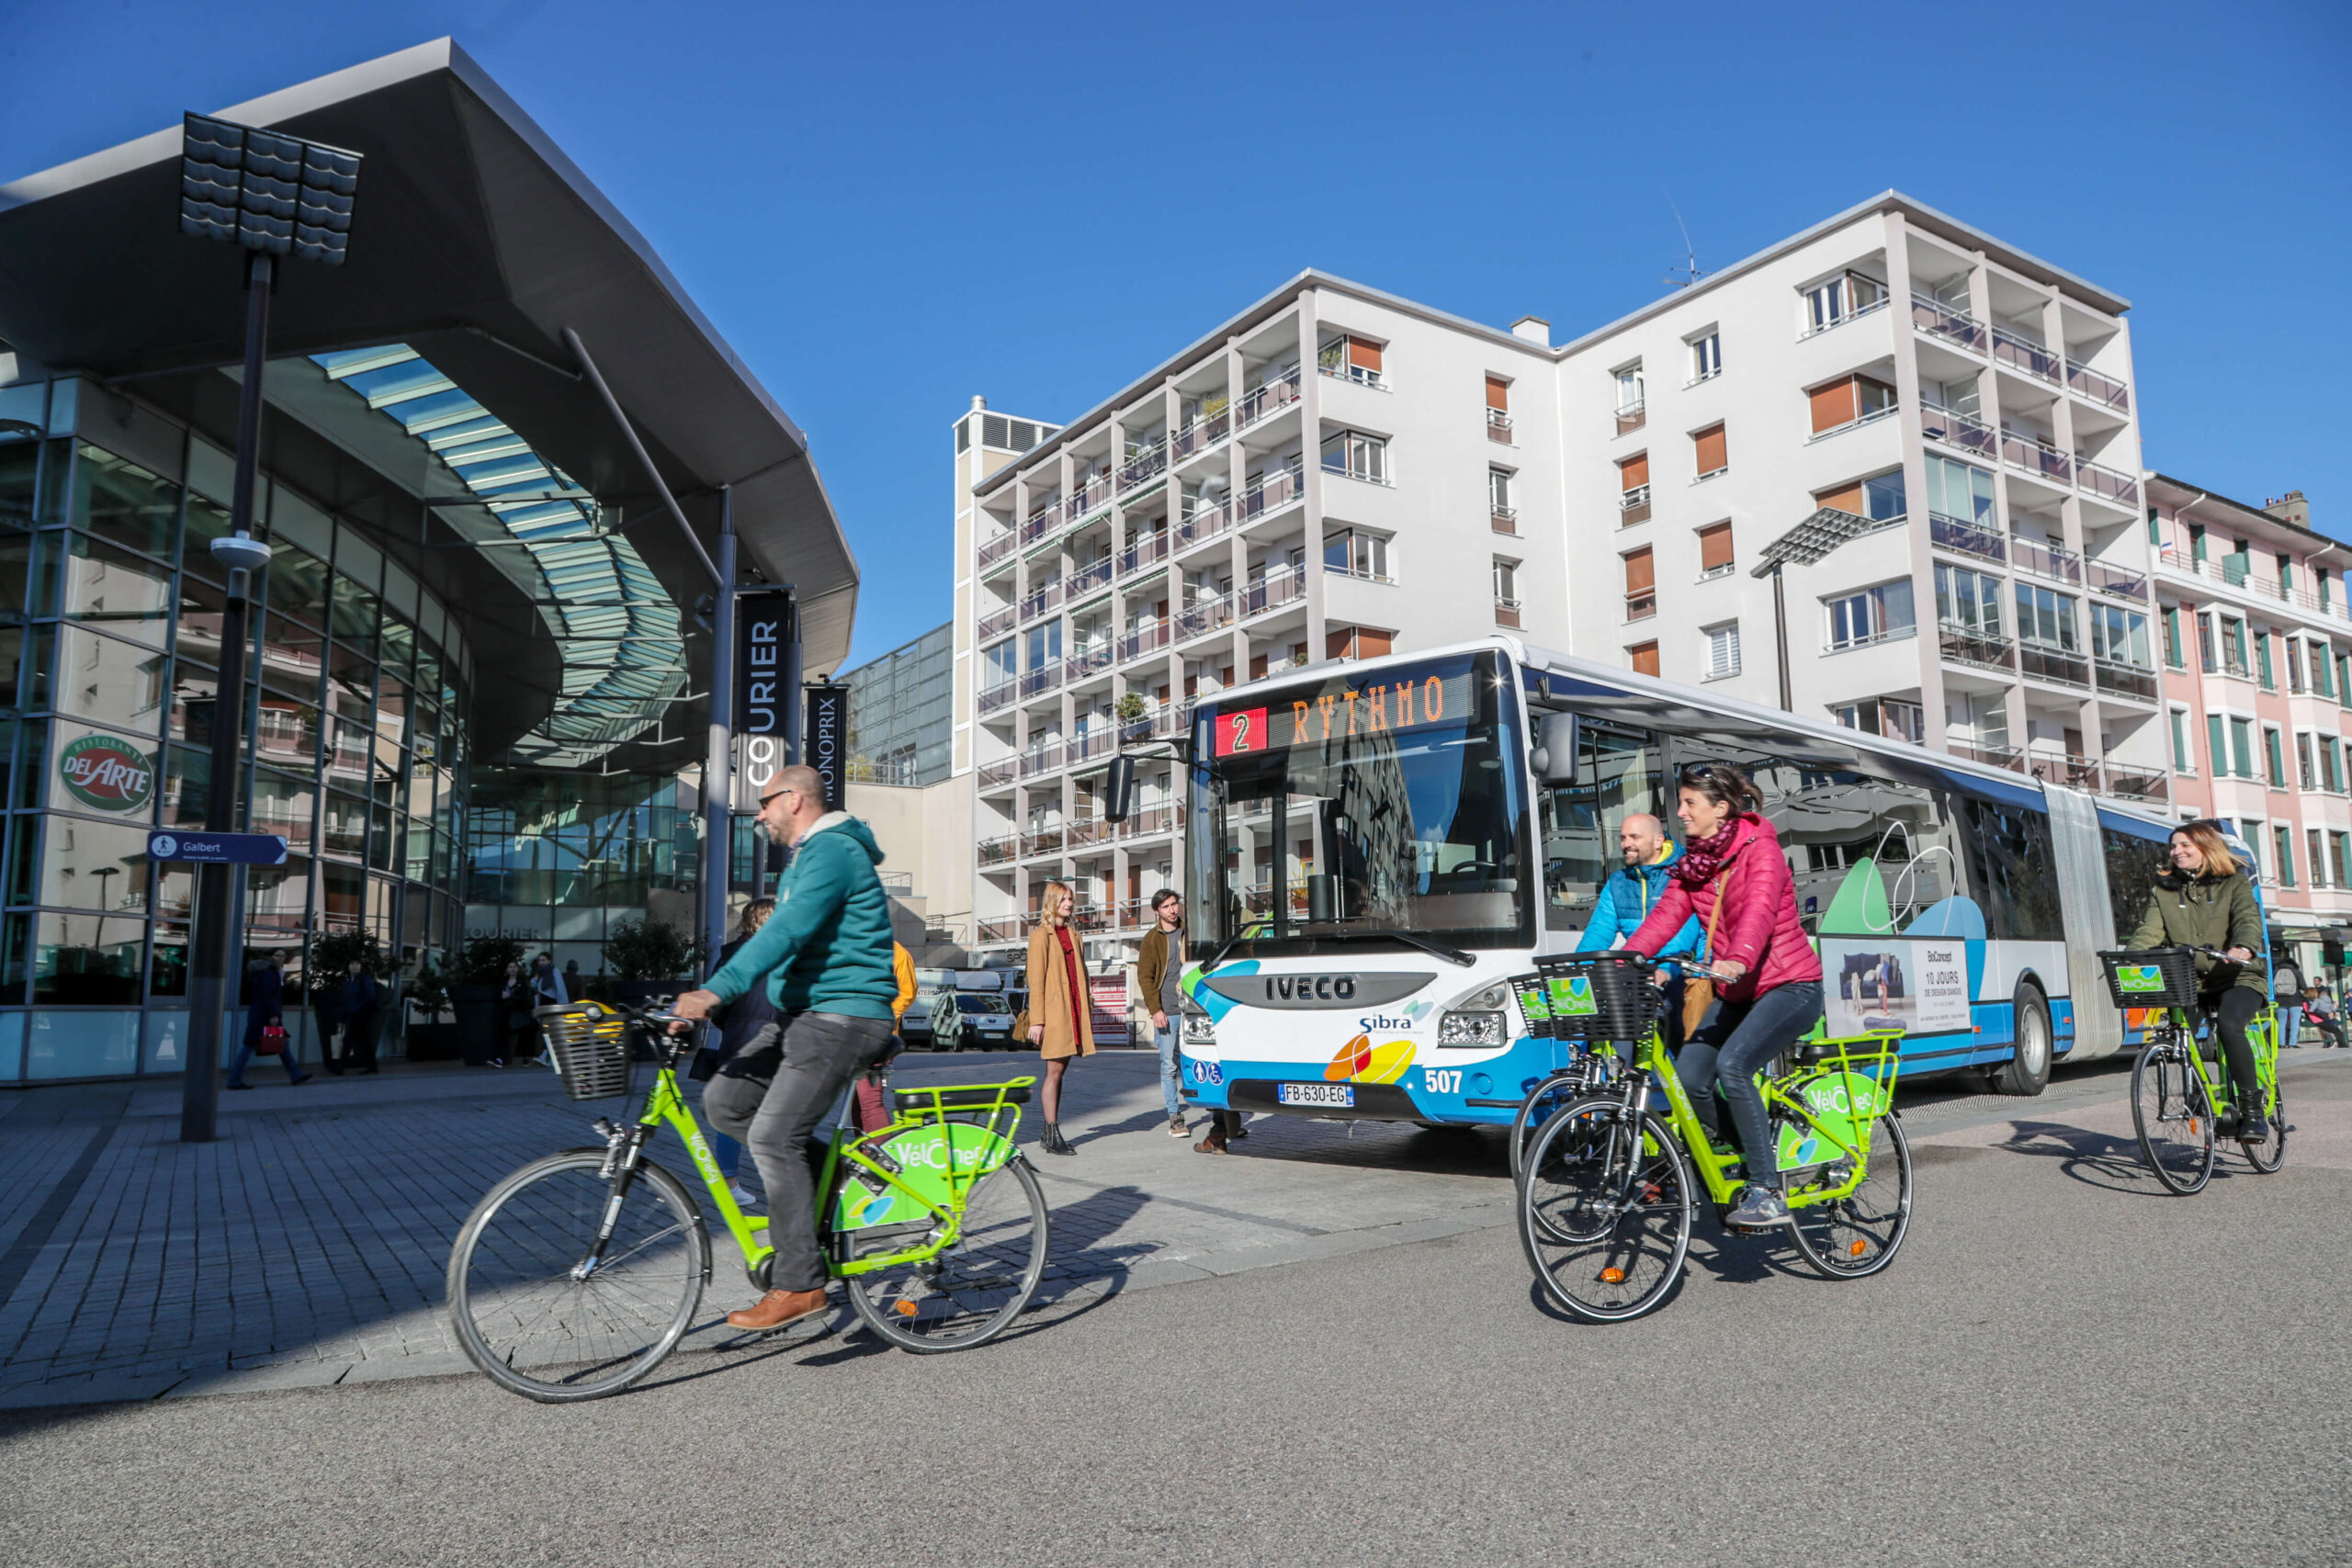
1534, 329
2291, 508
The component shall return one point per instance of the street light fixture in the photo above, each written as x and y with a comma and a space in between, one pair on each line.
276, 195
1808, 542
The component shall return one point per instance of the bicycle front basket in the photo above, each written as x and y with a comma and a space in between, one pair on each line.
1534, 1006
590, 1046
1598, 996
2157, 977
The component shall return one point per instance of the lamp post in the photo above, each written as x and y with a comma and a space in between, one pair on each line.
1808, 542
275, 196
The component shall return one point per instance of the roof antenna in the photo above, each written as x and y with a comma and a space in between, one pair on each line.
1683, 276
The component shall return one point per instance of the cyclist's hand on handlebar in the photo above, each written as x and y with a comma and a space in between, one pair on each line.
2239, 955
690, 1005
1729, 970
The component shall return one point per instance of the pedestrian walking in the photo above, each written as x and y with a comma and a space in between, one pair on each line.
748, 1031
1160, 968
357, 1004
514, 1022
825, 959
265, 1022
547, 990
1061, 1025
2287, 989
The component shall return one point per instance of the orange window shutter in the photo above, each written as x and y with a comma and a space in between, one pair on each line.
1832, 405
1847, 499
1497, 394
1363, 356
1370, 644
1714, 547
1635, 471
1340, 642
1645, 658
1641, 571
1710, 444
1257, 667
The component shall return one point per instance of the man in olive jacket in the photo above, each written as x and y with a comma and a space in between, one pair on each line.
825, 957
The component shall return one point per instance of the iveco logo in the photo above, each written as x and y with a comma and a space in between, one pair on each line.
1319, 987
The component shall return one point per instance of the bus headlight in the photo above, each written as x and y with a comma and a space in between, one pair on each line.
1477, 1019
1198, 1029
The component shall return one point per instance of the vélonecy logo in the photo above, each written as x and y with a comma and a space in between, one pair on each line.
108, 771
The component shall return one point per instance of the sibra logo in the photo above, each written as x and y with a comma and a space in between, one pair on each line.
1376, 1023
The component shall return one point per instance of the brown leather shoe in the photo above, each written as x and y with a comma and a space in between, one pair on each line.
777, 1308
1212, 1145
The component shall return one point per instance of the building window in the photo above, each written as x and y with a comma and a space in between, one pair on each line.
2273, 757
1706, 357
1708, 450
1352, 359
1504, 514
2331, 771
2047, 618
1875, 615
2284, 838
1890, 717
1633, 486
1840, 298
1958, 491
2184, 761
2339, 850
1641, 584
2174, 655
2216, 746
1967, 600
2292, 649
2207, 659
2242, 747
2234, 661
1353, 552
1715, 550
1498, 409
2305, 770
1849, 401
1631, 397
2119, 635
1505, 574
1643, 656
1355, 455
2262, 660
1723, 650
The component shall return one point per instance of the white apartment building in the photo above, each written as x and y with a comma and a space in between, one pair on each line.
1338, 471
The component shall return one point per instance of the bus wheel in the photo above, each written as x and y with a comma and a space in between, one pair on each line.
2028, 1069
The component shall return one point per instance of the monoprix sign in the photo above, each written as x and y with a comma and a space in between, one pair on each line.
107, 772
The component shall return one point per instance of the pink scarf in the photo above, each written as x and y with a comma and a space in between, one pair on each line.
1704, 857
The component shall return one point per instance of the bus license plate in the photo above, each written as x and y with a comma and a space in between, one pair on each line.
1339, 1094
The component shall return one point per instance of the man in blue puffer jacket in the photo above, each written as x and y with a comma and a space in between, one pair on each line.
1628, 897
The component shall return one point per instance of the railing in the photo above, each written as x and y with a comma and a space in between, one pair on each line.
1641, 603
1146, 638
1045, 840
2126, 680
1094, 494
1095, 656
1087, 578
1091, 918
2106, 481
1272, 591
1633, 419
2248, 582
996, 775
1946, 323
1042, 522
1205, 521
1499, 426
994, 697
2233, 664
1203, 617
2008, 757
2047, 560
2134, 784
1965, 538
2031, 455
996, 621
1148, 549
1273, 493
1636, 500
1507, 612
998, 548
2031, 357
1150, 820
1871, 417
1200, 436
1964, 645
1267, 399
1087, 830
1954, 428
1044, 598
1506, 519
1004, 927
1045, 679
1855, 314
2104, 390
1134, 912
2106, 578
1038, 760
1340, 368
1146, 462
998, 850
2053, 664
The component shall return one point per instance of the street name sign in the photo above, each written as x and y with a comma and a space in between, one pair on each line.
219, 849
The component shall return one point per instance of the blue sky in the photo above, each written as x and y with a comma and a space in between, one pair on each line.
908, 204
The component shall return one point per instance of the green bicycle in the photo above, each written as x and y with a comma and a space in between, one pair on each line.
578, 1273
1607, 1195
2179, 1083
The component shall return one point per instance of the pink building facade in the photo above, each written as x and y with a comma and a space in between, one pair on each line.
2255, 634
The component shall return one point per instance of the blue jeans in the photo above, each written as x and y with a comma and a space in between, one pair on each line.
245, 1053
1171, 1069
2290, 1026
1730, 1049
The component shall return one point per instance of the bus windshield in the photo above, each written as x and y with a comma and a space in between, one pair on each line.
1329, 812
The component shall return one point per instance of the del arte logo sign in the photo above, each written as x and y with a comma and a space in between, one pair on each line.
108, 771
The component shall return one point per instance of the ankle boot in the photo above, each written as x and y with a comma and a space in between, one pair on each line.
1053, 1142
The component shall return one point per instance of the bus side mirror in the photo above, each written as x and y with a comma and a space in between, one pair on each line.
1119, 789
1556, 744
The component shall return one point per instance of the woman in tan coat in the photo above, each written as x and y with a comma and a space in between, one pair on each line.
1059, 1021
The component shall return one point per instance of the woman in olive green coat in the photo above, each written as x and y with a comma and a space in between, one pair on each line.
2206, 900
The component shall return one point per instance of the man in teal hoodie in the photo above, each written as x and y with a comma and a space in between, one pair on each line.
825, 958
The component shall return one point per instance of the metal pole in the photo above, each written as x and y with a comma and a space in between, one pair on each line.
718, 776
218, 915
1780, 637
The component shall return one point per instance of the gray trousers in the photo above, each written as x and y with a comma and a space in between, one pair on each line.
773, 1119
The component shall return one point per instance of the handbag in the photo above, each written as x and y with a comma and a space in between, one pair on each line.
272, 1043
1697, 991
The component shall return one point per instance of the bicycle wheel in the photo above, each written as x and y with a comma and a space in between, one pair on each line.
1604, 1211
527, 1314
2174, 1117
1541, 1102
2270, 1154
1854, 1237
970, 1293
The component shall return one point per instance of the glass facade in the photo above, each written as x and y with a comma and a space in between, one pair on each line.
110, 621
902, 712
554, 858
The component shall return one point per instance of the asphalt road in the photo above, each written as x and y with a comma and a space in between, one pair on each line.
2063, 1366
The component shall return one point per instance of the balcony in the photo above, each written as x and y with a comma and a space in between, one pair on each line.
1134, 913
1001, 851
2122, 489
2008, 757
996, 622
1952, 326
1965, 538
1285, 585
1505, 519
2066, 768
1641, 603
2060, 666
1205, 521
1630, 420
1091, 918
1872, 416
1148, 637
2133, 784
2104, 390
1954, 428
994, 697
996, 776
998, 548
1087, 830
1086, 661
1002, 928
1045, 758
2047, 560
1040, 681
1148, 550
1507, 613
2031, 357
2230, 571
1146, 462
1965, 645
2105, 579
1499, 426
1203, 617
2032, 456
1271, 494
1042, 522
1633, 506
1262, 402
1089, 744
1047, 597
1332, 360
1093, 495
1086, 579
1149, 822
1043, 839
1207, 431
2125, 680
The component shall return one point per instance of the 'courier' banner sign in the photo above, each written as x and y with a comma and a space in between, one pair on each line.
763, 636
826, 740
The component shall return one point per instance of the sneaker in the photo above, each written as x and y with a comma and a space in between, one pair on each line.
1759, 1208
742, 1199
1176, 1128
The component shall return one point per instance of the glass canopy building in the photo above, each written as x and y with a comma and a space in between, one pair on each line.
478, 679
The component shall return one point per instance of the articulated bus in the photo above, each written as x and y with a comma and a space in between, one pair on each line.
1373, 847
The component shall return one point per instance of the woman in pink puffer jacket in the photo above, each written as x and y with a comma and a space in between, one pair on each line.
1767, 985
